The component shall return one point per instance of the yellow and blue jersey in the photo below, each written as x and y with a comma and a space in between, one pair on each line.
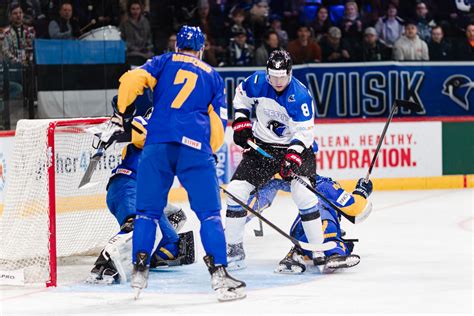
188, 98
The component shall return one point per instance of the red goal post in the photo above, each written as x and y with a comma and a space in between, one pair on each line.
45, 215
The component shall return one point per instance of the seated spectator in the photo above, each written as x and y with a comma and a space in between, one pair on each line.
333, 48
304, 49
351, 24
239, 52
18, 39
64, 27
465, 50
275, 24
322, 23
238, 23
372, 48
136, 33
270, 43
410, 46
209, 53
424, 23
439, 48
390, 27
171, 46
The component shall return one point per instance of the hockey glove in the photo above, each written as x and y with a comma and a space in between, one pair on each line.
290, 164
362, 188
242, 131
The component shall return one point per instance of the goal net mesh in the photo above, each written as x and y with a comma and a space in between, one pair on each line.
83, 224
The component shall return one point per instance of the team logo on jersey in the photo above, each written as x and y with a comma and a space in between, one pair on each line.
291, 98
458, 87
277, 128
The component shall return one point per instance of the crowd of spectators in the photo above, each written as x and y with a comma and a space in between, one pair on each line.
243, 33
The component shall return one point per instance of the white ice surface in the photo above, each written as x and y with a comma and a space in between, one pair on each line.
416, 257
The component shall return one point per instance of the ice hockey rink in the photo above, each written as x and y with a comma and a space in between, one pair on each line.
416, 253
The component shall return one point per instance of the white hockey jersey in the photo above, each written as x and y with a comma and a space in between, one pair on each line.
280, 119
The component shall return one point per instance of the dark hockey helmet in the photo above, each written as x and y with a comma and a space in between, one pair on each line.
279, 68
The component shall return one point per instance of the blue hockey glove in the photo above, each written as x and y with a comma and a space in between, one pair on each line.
362, 188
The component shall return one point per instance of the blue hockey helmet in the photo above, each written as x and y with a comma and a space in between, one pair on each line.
190, 37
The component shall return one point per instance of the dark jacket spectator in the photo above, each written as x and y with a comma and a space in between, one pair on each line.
304, 49
275, 24
465, 50
136, 33
390, 27
439, 48
64, 27
270, 43
333, 48
18, 39
322, 23
351, 24
372, 48
424, 23
239, 52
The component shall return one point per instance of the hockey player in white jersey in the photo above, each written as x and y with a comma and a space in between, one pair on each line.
283, 127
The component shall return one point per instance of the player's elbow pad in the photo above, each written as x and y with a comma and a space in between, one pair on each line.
132, 84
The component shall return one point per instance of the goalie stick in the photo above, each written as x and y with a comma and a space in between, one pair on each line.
415, 107
311, 247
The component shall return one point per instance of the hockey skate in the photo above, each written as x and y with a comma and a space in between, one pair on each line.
293, 263
337, 261
185, 255
139, 274
235, 257
318, 258
104, 271
226, 287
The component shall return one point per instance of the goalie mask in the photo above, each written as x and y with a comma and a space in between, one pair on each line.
279, 70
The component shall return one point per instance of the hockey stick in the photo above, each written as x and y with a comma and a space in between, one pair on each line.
312, 247
415, 107
352, 219
259, 232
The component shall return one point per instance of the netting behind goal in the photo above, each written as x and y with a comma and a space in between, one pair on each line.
45, 214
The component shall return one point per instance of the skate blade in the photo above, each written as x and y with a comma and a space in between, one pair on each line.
136, 293
282, 269
226, 295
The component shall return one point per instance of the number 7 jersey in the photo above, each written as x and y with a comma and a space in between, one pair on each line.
188, 98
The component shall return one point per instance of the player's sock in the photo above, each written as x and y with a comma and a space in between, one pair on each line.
293, 263
227, 288
234, 233
313, 229
212, 235
146, 236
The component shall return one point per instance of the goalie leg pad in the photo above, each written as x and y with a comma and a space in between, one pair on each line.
186, 253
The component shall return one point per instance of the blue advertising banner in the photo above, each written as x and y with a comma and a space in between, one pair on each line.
368, 89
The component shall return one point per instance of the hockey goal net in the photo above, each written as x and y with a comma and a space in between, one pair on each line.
45, 215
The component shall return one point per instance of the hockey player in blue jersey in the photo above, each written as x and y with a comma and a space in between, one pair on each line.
187, 126
283, 127
113, 264
353, 204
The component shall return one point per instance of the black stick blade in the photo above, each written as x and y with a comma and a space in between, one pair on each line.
415, 107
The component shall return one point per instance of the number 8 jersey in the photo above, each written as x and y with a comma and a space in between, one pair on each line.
281, 118
188, 98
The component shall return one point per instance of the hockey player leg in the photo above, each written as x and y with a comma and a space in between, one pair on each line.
235, 224
310, 216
